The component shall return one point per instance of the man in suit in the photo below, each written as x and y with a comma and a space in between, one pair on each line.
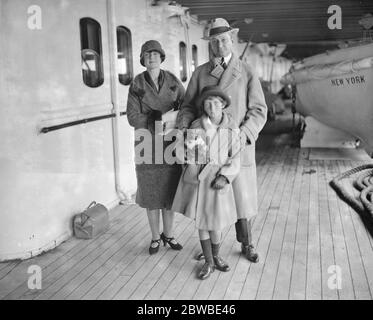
248, 109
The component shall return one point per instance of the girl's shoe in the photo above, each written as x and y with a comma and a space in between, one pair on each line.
172, 242
220, 264
206, 270
154, 249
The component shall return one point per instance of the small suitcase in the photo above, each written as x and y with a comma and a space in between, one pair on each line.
91, 222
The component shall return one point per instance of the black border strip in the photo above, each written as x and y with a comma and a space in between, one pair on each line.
74, 123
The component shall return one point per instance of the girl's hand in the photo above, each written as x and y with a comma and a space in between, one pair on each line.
219, 182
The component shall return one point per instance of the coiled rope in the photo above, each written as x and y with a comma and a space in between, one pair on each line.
363, 183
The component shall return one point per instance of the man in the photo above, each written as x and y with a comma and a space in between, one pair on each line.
248, 109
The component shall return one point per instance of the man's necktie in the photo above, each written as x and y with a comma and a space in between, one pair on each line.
223, 64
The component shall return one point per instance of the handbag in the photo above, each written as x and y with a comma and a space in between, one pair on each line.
91, 222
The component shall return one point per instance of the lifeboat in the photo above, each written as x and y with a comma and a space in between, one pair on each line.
336, 88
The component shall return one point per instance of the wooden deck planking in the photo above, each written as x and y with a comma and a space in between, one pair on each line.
302, 229
266, 221
8, 267
4, 265
107, 281
50, 260
95, 252
232, 258
115, 259
279, 207
172, 271
177, 284
130, 265
243, 266
313, 285
203, 292
342, 259
167, 260
326, 236
299, 269
192, 283
284, 273
142, 266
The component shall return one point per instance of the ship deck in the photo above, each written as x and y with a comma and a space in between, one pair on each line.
302, 230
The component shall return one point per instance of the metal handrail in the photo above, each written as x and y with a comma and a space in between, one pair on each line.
77, 122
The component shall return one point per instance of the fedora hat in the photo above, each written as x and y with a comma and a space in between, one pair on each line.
218, 26
151, 45
212, 91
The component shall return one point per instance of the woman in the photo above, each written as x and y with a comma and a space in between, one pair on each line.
152, 94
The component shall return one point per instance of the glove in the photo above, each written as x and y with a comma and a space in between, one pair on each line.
153, 116
156, 115
219, 182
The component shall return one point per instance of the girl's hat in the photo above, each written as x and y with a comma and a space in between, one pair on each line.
151, 45
215, 91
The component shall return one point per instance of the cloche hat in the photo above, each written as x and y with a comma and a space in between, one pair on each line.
151, 45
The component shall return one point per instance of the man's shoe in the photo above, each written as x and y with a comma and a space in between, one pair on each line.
220, 264
250, 253
206, 270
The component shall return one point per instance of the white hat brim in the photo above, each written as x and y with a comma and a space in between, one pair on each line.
234, 30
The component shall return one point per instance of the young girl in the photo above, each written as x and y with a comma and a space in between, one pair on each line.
204, 192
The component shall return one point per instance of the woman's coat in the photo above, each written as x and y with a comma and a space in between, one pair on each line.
249, 111
195, 198
156, 180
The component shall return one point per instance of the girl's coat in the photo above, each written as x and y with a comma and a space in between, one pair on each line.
195, 198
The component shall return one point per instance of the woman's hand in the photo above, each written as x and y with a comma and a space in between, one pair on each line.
154, 116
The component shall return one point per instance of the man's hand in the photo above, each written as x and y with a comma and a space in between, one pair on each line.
219, 182
243, 138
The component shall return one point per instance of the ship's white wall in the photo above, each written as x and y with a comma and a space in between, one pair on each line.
47, 178
266, 68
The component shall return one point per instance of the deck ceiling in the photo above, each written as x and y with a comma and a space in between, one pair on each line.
301, 24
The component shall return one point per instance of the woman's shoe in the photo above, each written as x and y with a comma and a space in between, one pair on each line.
153, 250
172, 242
206, 270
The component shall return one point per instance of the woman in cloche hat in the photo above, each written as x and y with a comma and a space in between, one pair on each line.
152, 94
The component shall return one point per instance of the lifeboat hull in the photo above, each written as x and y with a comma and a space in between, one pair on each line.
332, 91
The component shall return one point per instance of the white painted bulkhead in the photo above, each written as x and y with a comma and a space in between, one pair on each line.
48, 178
